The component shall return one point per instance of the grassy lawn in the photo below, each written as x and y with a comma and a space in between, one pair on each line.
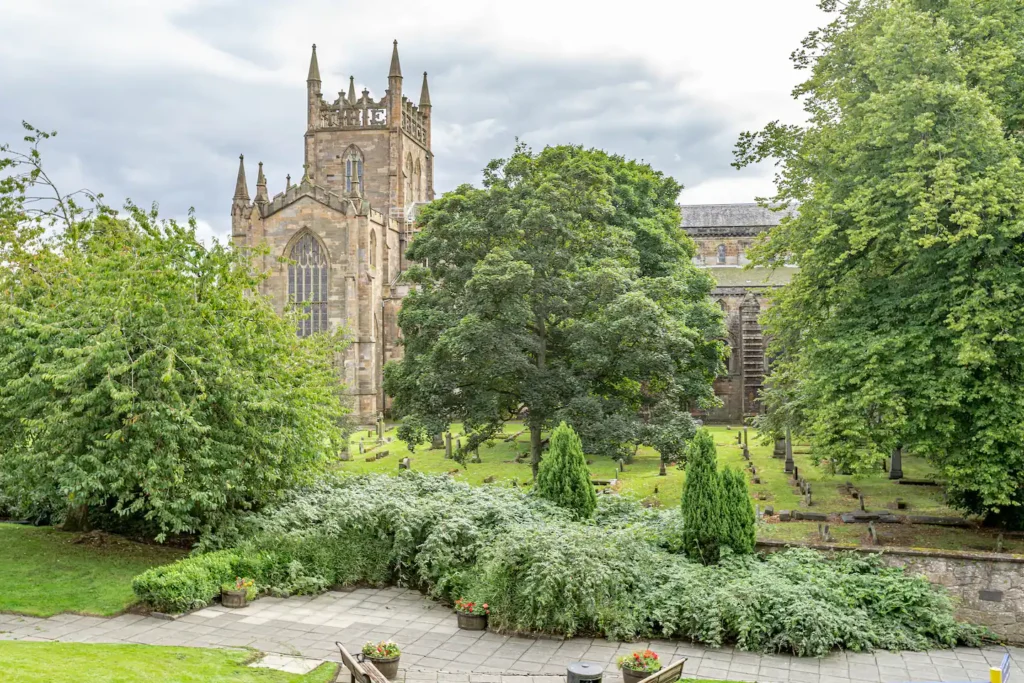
44, 571
641, 481
82, 663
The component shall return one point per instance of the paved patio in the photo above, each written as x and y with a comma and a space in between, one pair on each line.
434, 650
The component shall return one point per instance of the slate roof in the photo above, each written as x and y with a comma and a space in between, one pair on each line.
730, 215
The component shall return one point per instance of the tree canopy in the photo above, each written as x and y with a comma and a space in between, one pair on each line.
139, 374
904, 325
561, 290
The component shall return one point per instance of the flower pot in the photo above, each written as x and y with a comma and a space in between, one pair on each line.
233, 598
634, 676
388, 666
472, 622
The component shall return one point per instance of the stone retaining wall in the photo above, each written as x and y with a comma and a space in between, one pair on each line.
988, 587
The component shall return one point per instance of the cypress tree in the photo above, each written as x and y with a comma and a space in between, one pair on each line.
563, 477
737, 513
702, 501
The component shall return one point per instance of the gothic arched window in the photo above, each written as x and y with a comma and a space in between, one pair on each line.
721, 253
307, 284
418, 181
354, 171
373, 249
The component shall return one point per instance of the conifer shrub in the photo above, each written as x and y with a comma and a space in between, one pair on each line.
540, 570
703, 524
564, 478
738, 520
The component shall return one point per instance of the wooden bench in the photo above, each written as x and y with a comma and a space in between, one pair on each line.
361, 671
669, 674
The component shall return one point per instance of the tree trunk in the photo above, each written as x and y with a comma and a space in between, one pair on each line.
535, 446
77, 518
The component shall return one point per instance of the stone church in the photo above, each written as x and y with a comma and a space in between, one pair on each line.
723, 233
337, 238
343, 227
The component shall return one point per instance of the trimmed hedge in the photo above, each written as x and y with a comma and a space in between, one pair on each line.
618, 575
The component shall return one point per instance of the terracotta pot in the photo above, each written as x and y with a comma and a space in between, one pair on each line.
472, 622
634, 676
233, 598
388, 666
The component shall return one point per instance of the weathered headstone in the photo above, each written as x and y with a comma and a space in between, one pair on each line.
489, 480
448, 445
780, 449
862, 508
753, 469
785, 515
756, 480
901, 504
999, 543
807, 499
622, 465
371, 458
476, 456
739, 438
362, 448
745, 442
796, 473
404, 464
746, 452
896, 471
790, 465
437, 442
383, 454
661, 470
872, 533
769, 510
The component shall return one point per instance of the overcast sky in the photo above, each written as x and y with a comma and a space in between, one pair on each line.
155, 100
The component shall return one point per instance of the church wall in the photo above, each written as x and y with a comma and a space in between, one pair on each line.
329, 148
736, 249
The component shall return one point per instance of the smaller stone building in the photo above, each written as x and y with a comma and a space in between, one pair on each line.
723, 234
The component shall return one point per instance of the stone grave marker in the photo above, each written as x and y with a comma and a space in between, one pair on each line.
757, 480
807, 499
489, 480
661, 470
862, 508
785, 515
404, 464
872, 533
476, 456
362, 448
437, 442
448, 445
769, 510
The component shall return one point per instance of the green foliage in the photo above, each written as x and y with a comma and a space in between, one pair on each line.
903, 325
539, 570
139, 375
738, 520
564, 286
564, 478
702, 504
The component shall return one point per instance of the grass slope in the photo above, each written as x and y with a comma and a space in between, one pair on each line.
641, 481
44, 571
81, 663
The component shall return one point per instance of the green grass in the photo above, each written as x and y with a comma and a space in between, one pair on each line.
44, 571
81, 663
641, 481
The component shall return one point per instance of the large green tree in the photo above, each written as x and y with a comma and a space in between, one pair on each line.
139, 375
905, 324
563, 290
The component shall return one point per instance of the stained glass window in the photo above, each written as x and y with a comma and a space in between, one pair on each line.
307, 284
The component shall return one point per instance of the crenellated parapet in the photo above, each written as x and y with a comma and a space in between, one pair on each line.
348, 113
414, 121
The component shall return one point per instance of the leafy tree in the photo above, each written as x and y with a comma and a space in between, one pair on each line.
564, 478
140, 375
738, 520
562, 290
702, 504
904, 324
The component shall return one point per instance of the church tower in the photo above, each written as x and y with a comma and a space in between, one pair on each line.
337, 238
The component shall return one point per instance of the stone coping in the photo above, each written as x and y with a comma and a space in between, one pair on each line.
976, 555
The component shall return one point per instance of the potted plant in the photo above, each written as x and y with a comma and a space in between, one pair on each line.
239, 593
384, 656
638, 665
472, 615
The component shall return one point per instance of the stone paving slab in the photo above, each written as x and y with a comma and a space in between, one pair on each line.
434, 650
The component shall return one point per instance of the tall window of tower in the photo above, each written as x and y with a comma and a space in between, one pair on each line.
418, 181
373, 249
721, 253
354, 171
307, 284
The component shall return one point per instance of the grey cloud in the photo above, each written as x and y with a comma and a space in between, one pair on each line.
174, 137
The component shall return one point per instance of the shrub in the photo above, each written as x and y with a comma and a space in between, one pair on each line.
738, 518
539, 570
702, 501
564, 478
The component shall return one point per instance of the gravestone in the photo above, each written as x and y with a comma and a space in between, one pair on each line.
383, 454
448, 445
785, 515
790, 465
371, 458
896, 471
769, 510
362, 448
746, 452
780, 449
862, 508
404, 464
476, 456
437, 442
739, 438
661, 470
807, 499
753, 469
757, 480
489, 480
796, 473
622, 465
901, 504
745, 442
380, 426
345, 457
872, 533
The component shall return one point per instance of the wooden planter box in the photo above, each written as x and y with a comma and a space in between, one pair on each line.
233, 598
472, 622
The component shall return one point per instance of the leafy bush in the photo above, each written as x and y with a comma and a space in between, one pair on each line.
738, 520
564, 478
702, 501
539, 570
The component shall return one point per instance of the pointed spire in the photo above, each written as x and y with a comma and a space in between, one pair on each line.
241, 187
314, 67
351, 89
425, 92
261, 186
396, 68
